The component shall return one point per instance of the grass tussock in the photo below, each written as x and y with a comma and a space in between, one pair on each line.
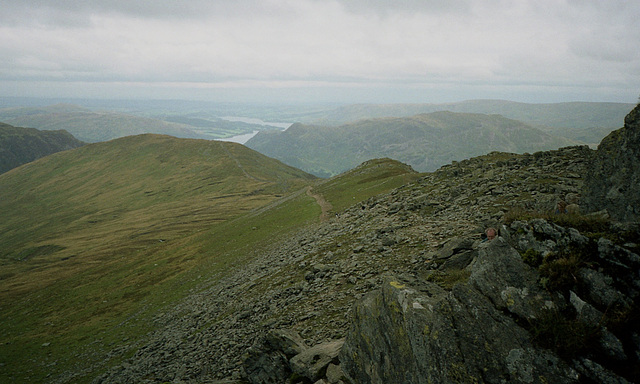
583, 223
450, 278
564, 334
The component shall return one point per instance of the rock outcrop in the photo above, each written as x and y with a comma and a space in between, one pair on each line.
613, 180
500, 324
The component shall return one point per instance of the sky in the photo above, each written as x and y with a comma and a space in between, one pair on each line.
344, 51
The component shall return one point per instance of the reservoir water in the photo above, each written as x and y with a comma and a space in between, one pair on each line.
240, 138
250, 120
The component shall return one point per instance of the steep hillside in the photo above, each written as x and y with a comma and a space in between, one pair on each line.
425, 142
22, 145
296, 299
90, 126
95, 235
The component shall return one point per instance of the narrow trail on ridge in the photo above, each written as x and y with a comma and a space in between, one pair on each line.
238, 163
325, 206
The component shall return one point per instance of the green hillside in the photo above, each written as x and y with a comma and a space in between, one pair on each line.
425, 141
368, 179
99, 240
22, 145
91, 126
87, 234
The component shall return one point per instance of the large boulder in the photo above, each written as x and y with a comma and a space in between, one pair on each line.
500, 275
313, 362
425, 335
613, 178
480, 331
268, 360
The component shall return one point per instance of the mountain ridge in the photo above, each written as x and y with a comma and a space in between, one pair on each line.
425, 141
92, 126
22, 145
246, 298
98, 258
551, 115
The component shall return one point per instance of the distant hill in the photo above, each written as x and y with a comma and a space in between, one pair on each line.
425, 141
91, 126
588, 121
22, 145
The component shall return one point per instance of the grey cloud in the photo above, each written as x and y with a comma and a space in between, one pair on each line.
79, 12
420, 6
325, 44
612, 50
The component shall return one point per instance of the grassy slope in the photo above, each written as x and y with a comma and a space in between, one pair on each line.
426, 142
368, 179
90, 235
94, 271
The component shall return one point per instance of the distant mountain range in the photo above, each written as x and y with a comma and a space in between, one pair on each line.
23, 145
552, 115
425, 141
91, 126
587, 122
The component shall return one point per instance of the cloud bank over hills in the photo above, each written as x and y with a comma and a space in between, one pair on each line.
345, 51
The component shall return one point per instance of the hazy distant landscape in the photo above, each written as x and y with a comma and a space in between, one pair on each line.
426, 141
333, 139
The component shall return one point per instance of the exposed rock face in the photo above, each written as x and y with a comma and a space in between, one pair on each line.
282, 357
420, 333
484, 329
613, 180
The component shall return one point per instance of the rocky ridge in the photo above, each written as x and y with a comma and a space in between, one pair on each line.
307, 284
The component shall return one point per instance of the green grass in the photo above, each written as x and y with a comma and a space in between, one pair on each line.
96, 239
103, 238
450, 278
369, 179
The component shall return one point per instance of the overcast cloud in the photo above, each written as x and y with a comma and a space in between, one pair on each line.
334, 50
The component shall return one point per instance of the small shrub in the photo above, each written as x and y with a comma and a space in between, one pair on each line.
450, 278
532, 257
297, 379
583, 223
560, 272
564, 334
